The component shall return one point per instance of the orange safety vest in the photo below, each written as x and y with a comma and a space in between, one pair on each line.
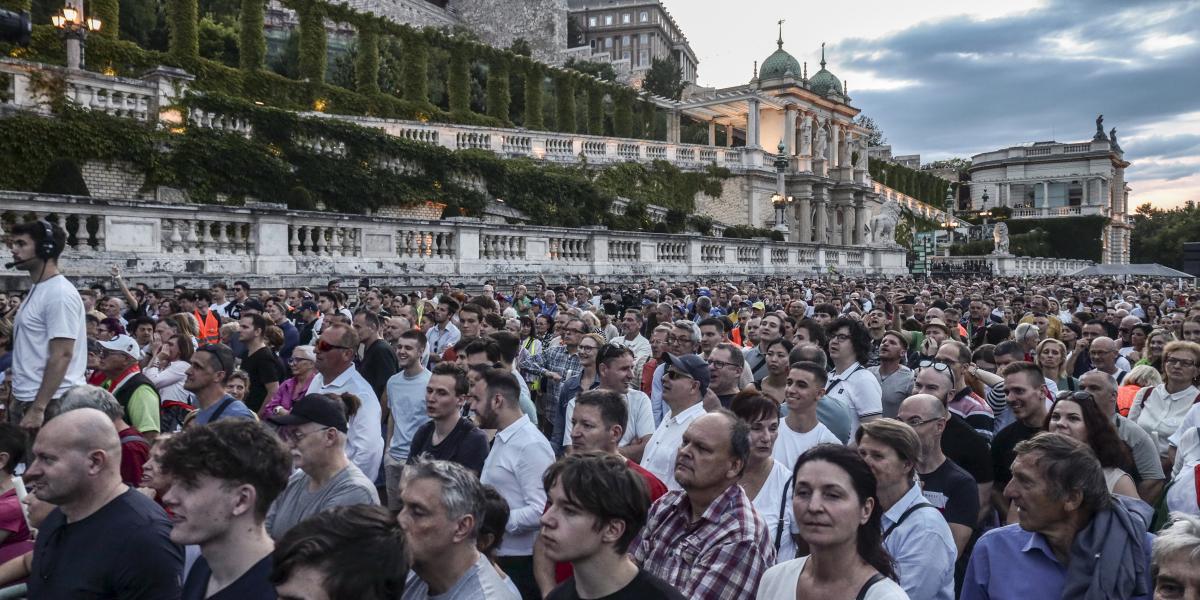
210, 327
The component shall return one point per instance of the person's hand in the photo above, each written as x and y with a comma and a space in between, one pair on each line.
553, 375
116, 272
279, 411
33, 419
929, 347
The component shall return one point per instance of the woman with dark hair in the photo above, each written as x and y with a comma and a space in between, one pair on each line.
1077, 415
774, 385
840, 519
767, 482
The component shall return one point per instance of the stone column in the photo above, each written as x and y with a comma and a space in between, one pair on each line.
847, 224
835, 141
860, 220
673, 127
1118, 191
822, 217
729, 136
844, 149
789, 131
752, 123
712, 133
804, 206
1045, 197
806, 135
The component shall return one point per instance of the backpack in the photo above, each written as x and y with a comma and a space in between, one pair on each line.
172, 414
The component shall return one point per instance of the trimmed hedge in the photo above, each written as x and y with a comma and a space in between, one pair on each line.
564, 96
313, 43
366, 68
252, 40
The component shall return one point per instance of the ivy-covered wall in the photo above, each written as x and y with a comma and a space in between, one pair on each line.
922, 185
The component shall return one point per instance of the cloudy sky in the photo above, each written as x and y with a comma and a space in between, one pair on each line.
947, 78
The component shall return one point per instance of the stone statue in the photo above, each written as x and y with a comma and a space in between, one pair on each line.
883, 224
1099, 137
822, 142
1113, 138
806, 136
1000, 238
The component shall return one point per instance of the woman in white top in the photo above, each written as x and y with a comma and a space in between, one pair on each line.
767, 482
168, 368
1077, 415
1160, 410
839, 518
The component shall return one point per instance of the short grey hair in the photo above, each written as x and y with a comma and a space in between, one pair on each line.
1068, 465
1181, 535
462, 493
691, 326
86, 396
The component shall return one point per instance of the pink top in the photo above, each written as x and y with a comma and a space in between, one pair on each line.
288, 392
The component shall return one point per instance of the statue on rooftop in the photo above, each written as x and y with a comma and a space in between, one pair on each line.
1099, 137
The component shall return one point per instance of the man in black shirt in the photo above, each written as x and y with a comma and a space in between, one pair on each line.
596, 506
448, 435
1025, 390
104, 540
226, 475
260, 364
379, 360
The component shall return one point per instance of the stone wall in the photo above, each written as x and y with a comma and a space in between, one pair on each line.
418, 13
731, 207
113, 180
542, 23
430, 211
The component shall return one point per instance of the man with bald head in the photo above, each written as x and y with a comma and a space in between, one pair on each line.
1103, 354
947, 486
1148, 473
77, 466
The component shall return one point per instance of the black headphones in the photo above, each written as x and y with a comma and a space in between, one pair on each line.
46, 246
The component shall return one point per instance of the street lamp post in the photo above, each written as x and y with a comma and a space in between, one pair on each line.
74, 27
780, 199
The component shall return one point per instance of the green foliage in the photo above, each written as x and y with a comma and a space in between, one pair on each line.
595, 110
574, 33
109, 13
366, 69
287, 62
875, 137
16, 5
599, 70
497, 88
313, 44
1158, 235
564, 95
64, 177
521, 47
1064, 237
253, 42
922, 185
299, 198
661, 183
416, 69
746, 232
665, 78
534, 80
219, 42
139, 19
623, 114
459, 85
184, 31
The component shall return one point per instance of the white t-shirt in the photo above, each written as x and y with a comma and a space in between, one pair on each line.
859, 389
51, 310
779, 583
768, 501
639, 424
791, 443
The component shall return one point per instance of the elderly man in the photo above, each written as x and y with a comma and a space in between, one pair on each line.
76, 466
1103, 354
336, 375
134, 391
1150, 476
684, 385
1073, 540
706, 539
1173, 563
135, 450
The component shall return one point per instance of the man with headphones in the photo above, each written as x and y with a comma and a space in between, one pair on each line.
50, 331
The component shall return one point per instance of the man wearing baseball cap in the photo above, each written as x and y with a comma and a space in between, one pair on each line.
315, 432
308, 313
684, 384
134, 391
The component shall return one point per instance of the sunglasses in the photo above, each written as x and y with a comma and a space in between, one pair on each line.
937, 365
323, 346
1076, 396
676, 376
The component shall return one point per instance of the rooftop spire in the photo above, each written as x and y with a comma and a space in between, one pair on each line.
806, 69
755, 70
780, 42
822, 55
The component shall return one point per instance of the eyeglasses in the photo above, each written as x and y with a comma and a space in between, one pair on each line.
720, 363
915, 422
936, 365
570, 330
1077, 396
1180, 362
839, 337
295, 435
294, 360
324, 346
676, 375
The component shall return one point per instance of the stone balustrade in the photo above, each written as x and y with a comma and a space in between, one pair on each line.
1059, 211
265, 244
141, 99
1010, 266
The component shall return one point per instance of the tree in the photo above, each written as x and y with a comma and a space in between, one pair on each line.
218, 42
875, 135
600, 70
664, 78
521, 47
1158, 235
574, 33
253, 41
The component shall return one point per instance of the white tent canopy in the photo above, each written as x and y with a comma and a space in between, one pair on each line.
1146, 270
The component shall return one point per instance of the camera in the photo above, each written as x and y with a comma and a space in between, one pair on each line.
15, 27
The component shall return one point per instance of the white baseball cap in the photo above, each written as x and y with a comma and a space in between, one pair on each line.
123, 343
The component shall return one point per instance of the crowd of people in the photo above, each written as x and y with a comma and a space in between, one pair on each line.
727, 439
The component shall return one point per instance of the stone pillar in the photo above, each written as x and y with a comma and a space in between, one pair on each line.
712, 133
804, 207
1118, 191
835, 141
729, 136
822, 218
789, 131
673, 127
752, 123
847, 224
860, 220
1045, 197
806, 135
843, 149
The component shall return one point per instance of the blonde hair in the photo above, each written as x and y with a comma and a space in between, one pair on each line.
1144, 376
897, 435
1037, 355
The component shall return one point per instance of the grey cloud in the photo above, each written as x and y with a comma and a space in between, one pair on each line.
1174, 146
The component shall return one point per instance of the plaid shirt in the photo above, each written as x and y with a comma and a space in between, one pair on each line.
721, 556
560, 361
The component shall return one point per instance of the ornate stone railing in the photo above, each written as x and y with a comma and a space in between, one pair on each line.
1058, 211
165, 244
1007, 265
141, 99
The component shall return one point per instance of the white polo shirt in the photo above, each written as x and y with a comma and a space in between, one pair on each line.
859, 389
659, 457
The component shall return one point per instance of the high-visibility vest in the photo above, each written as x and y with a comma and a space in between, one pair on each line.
210, 328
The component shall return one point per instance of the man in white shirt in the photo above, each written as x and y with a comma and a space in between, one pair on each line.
336, 375
444, 334
633, 339
684, 383
849, 381
49, 331
800, 429
614, 368
406, 409
519, 456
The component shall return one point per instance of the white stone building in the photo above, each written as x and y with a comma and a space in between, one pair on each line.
1053, 179
634, 32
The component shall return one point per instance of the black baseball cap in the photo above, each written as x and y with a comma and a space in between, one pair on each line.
695, 367
322, 409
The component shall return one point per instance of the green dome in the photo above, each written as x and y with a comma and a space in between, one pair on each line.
779, 64
823, 81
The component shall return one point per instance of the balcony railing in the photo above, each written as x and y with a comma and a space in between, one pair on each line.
168, 243
1006, 266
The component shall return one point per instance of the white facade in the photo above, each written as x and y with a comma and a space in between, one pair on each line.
1053, 179
636, 32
